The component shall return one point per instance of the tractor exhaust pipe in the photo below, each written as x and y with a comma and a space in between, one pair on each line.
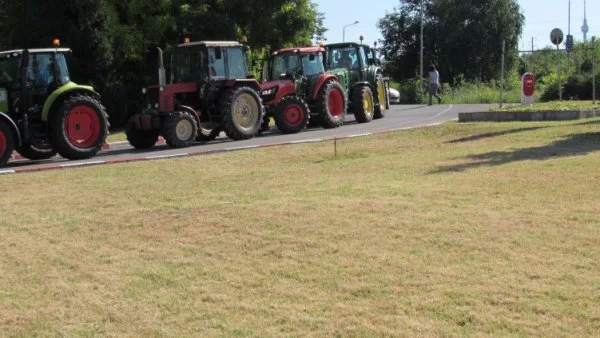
162, 77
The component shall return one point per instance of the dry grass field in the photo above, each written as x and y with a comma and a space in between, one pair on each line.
455, 230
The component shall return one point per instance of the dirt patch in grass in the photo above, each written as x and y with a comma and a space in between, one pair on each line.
460, 229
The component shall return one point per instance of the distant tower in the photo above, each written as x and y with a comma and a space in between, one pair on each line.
585, 29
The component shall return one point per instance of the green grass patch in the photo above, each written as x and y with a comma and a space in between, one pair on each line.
461, 229
116, 136
554, 105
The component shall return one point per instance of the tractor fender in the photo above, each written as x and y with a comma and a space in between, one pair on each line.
12, 123
361, 84
58, 96
323, 78
252, 83
196, 114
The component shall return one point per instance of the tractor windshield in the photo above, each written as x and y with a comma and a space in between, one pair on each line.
10, 75
286, 63
312, 64
188, 62
343, 58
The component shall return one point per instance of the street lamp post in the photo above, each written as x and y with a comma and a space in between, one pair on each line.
421, 55
344, 30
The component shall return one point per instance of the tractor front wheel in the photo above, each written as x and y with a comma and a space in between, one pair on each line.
139, 138
362, 104
180, 130
79, 127
292, 115
37, 150
382, 99
242, 111
331, 105
7, 143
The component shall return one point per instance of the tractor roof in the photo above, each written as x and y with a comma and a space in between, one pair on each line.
304, 50
37, 51
212, 44
342, 45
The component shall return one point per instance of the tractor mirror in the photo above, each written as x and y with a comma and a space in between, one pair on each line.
246, 48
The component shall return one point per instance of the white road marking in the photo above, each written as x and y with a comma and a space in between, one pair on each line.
165, 156
4, 172
306, 141
359, 135
70, 165
241, 148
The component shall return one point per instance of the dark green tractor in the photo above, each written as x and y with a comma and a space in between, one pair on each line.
361, 75
43, 112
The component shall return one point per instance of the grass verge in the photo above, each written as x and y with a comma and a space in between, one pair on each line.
461, 229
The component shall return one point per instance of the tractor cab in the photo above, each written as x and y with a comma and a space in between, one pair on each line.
351, 57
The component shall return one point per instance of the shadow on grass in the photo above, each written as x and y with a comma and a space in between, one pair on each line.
575, 145
494, 134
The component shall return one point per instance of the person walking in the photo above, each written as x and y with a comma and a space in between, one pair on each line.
434, 84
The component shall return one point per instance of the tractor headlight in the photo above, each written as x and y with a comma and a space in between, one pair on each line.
156, 105
162, 89
149, 106
268, 92
143, 90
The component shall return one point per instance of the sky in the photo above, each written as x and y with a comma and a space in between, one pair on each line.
541, 16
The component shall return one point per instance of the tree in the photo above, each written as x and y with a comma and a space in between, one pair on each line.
462, 37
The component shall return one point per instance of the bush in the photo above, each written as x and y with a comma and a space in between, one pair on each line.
575, 87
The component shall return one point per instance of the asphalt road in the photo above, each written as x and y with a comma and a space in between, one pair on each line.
397, 118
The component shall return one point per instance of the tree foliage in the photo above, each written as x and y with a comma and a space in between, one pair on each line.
462, 37
111, 39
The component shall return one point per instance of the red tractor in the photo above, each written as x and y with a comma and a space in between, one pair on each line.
210, 90
296, 89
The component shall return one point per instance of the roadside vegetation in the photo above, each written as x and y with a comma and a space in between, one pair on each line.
459, 229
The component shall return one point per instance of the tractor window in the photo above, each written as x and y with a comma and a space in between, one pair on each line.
62, 71
10, 75
41, 72
343, 58
216, 63
236, 62
363, 58
286, 63
188, 65
312, 64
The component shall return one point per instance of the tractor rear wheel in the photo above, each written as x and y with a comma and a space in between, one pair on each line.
242, 111
139, 138
382, 99
180, 129
362, 104
331, 105
7, 143
78, 128
292, 114
37, 150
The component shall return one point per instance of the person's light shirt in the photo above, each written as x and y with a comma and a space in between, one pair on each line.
434, 77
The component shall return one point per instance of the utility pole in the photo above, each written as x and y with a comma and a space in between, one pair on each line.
594, 69
502, 72
421, 56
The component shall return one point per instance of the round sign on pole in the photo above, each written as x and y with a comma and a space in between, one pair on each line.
556, 36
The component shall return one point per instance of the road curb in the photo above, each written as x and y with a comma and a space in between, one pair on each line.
548, 115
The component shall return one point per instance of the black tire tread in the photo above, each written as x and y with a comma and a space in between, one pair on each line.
325, 119
170, 133
140, 139
380, 107
357, 106
226, 105
280, 121
10, 143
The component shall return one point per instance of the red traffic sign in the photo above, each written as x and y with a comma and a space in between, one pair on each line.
556, 36
528, 84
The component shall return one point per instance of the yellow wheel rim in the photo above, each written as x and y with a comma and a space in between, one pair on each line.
368, 103
381, 94
245, 111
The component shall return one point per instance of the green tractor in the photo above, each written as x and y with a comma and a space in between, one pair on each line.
361, 75
42, 112
210, 90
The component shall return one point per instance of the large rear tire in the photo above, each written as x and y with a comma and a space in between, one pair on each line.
78, 128
331, 105
37, 150
292, 115
7, 143
242, 113
139, 138
382, 99
362, 104
180, 129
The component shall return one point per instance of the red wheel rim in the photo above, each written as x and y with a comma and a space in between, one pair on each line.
2, 143
293, 115
335, 102
82, 126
